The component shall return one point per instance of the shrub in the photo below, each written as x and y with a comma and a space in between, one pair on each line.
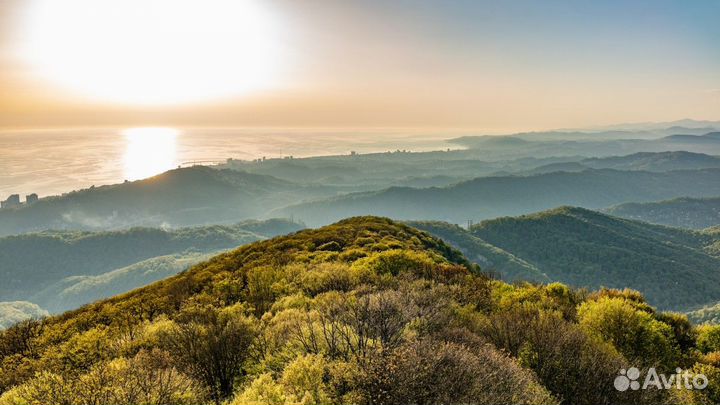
708, 339
432, 372
263, 390
641, 338
303, 379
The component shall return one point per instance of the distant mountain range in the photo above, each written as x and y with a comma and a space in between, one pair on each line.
668, 127
600, 144
674, 268
491, 197
61, 270
696, 213
434, 185
648, 161
190, 196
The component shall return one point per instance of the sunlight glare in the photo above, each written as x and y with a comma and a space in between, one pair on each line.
153, 52
149, 151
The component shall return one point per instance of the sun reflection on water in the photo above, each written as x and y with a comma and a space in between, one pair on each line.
149, 151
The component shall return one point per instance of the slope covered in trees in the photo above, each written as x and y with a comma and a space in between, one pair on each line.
74, 291
709, 314
490, 197
655, 162
696, 213
673, 268
366, 311
491, 258
646, 161
60, 269
195, 195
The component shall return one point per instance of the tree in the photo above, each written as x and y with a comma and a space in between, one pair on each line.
574, 366
427, 372
303, 380
45, 388
708, 339
263, 390
636, 333
211, 347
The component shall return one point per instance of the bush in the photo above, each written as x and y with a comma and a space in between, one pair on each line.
708, 339
432, 372
263, 390
212, 348
641, 338
546, 343
303, 379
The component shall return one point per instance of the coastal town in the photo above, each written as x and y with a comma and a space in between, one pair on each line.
14, 201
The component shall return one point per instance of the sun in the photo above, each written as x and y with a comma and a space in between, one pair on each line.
149, 151
154, 51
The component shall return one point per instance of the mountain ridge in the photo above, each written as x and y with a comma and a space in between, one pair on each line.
674, 268
489, 197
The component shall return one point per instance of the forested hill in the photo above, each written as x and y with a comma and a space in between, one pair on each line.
504, 264
366, 311
674, 268
490, 197
697, 213
655, 162
58, 260
190, 196
647, 161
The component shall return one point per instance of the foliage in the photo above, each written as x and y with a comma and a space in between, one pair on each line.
588, 249
638, 335
694, 213
81, 266
708, 314
366, 311
708, 339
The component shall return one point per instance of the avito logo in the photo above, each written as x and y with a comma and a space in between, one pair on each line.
682, 379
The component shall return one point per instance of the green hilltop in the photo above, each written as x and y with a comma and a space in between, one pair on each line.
364, 311
694, 213
674, 268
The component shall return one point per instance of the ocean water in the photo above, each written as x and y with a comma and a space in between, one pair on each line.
51, 162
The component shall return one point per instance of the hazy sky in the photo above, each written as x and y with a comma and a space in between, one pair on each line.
491, 65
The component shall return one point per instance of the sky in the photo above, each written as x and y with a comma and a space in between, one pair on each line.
452, 64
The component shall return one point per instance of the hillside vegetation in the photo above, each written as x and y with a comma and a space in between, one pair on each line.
366, 311
674, 268
504, 264
709, 314
696, 213
60, 270
74, 291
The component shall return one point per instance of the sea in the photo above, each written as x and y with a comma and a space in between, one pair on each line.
55, 161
